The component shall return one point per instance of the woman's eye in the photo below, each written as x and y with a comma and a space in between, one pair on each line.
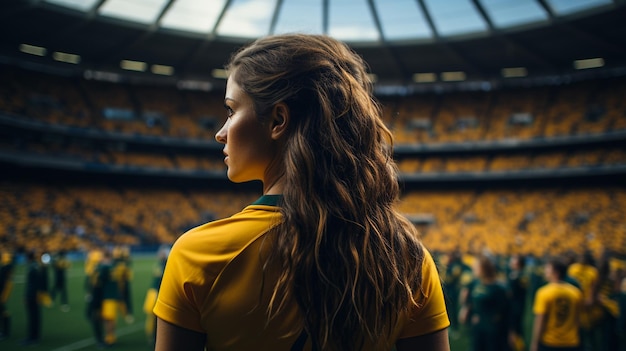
229, 111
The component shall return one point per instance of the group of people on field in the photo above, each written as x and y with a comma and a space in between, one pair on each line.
107, 286
108, 277
523, 303
38, 291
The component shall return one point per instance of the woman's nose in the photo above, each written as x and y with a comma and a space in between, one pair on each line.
220, 136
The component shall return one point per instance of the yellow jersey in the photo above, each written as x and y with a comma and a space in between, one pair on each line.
561, 304
214, 283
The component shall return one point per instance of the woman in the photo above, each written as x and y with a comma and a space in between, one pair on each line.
322, 261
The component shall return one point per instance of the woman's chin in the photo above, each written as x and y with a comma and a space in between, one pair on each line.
235, 178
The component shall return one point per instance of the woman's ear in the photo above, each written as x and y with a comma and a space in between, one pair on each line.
279, 120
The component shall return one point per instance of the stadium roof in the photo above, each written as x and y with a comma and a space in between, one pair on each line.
404, 41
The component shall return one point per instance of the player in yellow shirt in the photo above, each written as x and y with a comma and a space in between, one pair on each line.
94, 256
124, 276
110, 276
323, 260
585, 273
93, 293
557, 308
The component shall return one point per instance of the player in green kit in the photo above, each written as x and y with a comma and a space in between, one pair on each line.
486, 308
109, 277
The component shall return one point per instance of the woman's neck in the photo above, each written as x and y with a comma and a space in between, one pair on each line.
274, 187
274, 180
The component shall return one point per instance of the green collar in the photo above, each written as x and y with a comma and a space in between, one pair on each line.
268, 200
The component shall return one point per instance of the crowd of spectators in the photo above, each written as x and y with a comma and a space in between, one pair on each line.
505, 221
529, 221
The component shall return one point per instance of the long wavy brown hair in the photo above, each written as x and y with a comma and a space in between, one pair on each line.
350, 260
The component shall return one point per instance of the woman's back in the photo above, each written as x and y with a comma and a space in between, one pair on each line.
227, 290
303, 120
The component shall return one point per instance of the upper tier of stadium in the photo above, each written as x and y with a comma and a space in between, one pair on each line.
410, 45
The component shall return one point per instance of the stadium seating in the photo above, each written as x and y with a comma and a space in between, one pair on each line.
44, 217
575, 109
521, 113
530, 221
524, 220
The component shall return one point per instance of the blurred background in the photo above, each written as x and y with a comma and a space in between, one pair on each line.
509, 119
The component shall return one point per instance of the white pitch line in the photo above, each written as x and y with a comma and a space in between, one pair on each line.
91, 341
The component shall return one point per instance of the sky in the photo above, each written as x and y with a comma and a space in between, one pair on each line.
348, 20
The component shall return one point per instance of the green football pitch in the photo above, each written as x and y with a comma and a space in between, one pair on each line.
69, 331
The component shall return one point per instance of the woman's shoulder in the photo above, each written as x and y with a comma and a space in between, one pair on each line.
229, 235
428, 264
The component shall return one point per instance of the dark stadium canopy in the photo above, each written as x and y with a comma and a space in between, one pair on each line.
405, 42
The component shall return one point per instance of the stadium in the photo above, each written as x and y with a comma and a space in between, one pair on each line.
509, 119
